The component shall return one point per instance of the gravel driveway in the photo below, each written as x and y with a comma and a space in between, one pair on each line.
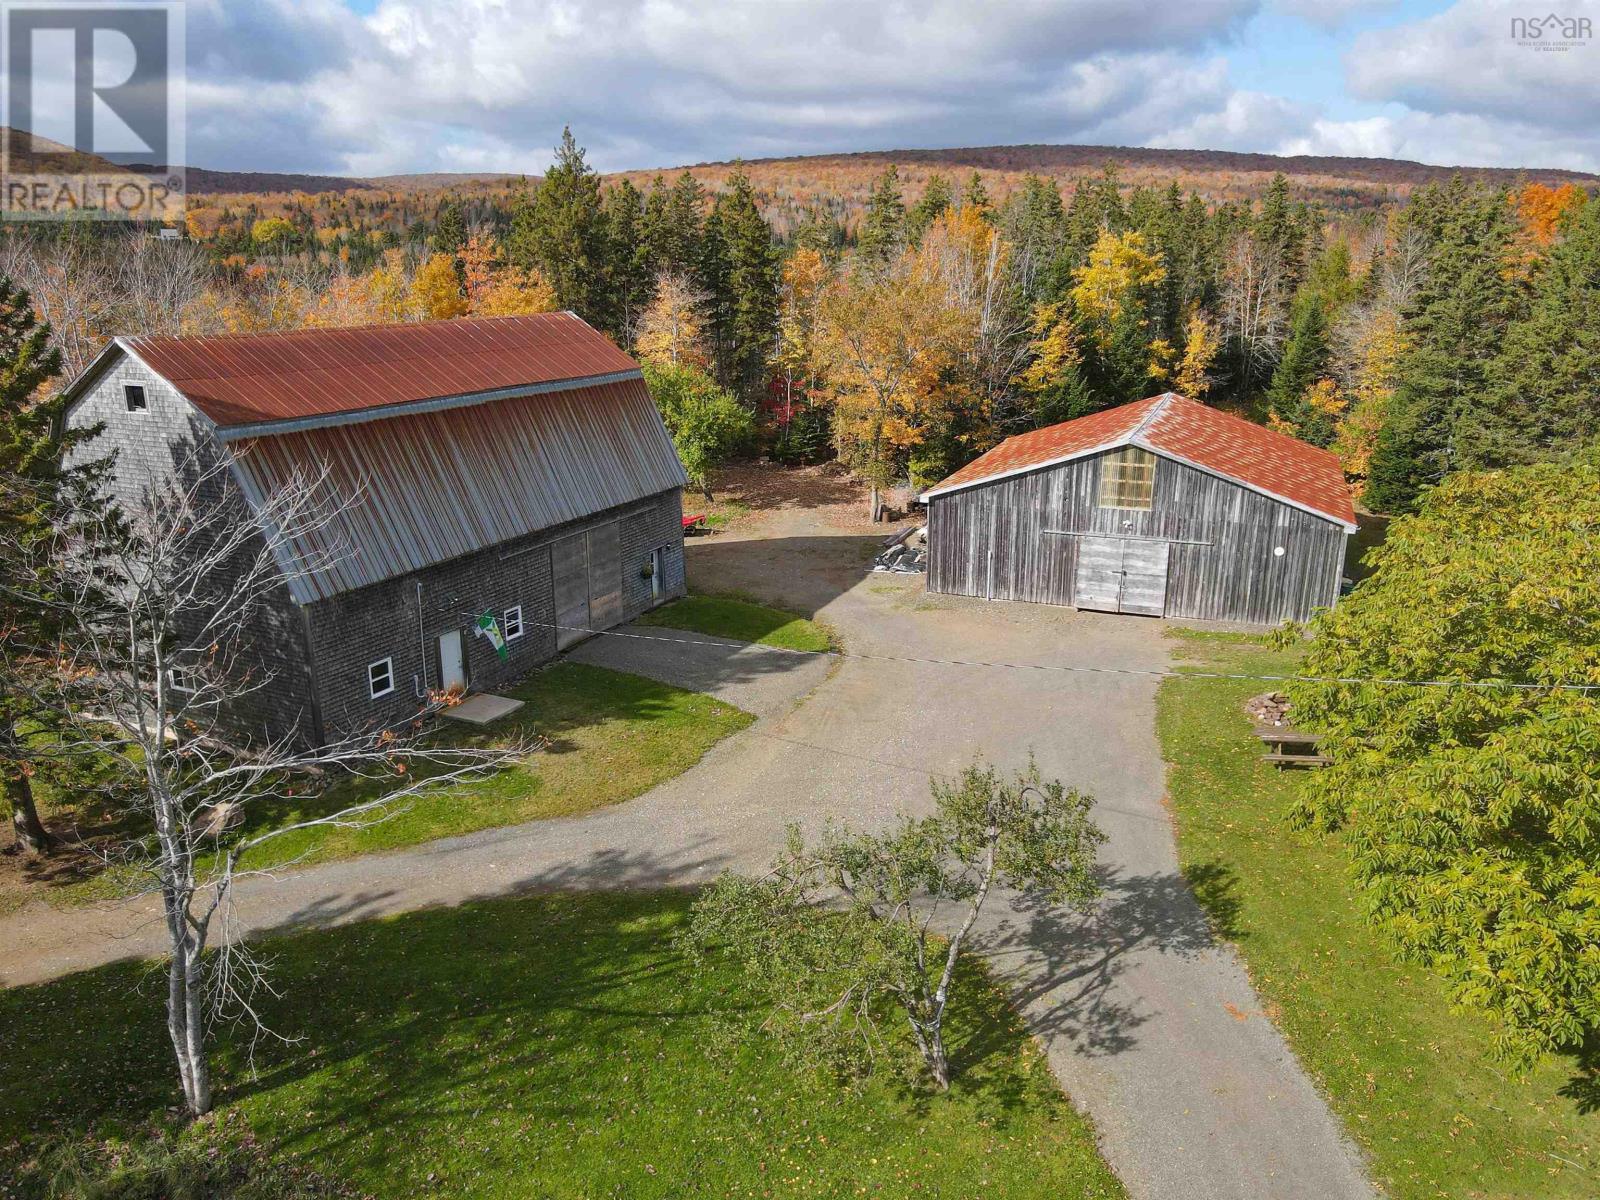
1150, 1026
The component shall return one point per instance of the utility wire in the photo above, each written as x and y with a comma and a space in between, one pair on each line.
1083, 669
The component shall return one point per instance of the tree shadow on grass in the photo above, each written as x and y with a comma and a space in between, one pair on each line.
557, 1028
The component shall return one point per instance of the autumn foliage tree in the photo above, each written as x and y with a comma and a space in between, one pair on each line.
889, 340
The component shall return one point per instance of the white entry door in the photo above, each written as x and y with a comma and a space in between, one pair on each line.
452, 661
1127, 575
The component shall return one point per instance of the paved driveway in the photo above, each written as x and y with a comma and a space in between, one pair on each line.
1150, 1026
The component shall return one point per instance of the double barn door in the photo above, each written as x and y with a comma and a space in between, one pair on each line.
1122, 575
587, 572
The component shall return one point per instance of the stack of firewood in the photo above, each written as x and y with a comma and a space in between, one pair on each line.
1269, 708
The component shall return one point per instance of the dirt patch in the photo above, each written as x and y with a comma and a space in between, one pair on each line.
828, 493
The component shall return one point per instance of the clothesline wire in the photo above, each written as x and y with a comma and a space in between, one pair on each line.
1084, 668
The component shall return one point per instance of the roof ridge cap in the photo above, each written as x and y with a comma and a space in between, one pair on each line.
1151, 417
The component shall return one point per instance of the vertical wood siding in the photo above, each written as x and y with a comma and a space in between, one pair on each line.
991, 541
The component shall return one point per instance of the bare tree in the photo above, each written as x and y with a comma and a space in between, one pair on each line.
157, 281
1254, 307
162, 607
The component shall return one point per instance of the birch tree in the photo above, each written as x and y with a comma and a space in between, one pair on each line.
866, 927
160, 607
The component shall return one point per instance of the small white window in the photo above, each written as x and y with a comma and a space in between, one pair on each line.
511, 626
380, 677
133, 395
180, 680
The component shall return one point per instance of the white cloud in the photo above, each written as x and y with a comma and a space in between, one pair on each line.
1454, 140
474, 84
1467, 61
478, 85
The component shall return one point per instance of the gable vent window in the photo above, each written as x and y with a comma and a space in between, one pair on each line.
1127, 478
133, 394
380, 677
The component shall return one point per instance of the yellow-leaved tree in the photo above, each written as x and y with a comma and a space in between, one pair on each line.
890, 340
496, 289
436, 291
670, 328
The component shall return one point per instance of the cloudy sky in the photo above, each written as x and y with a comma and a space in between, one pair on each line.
379, 86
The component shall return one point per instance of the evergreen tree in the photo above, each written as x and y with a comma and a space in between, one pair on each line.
632, 276
752, 283
1033, 223
976, 197
450, 228
562, 235
935, 198
883, 232
712, 274
655, 229
31, 449
1304, 361
1544, 398
1458, 322
681, 250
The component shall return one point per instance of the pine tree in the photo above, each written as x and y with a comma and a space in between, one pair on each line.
1458, 323
632, 275
450, 228
712, 273
752, 282
1304, 361
1544, 398
681, 250
31, 450
883, 232
562, 235
935, 198
976, 197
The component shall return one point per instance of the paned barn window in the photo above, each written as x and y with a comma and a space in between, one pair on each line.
1127, 478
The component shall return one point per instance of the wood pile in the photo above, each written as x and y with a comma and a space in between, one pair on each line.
1269, 708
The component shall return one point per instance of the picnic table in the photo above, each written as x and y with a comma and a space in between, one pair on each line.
1290, 747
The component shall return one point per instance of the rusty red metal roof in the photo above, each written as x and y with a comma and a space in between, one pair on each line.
1263, 459
267, 378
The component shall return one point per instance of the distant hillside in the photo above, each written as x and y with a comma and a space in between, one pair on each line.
1342, 181
1075, 160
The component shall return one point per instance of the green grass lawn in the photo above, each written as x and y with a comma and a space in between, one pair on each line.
546, 1046
743, 621
611, 736
1414, 1083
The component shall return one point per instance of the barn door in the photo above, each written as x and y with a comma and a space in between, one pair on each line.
605, 575
1099, 581
1144, 578
569, 571
1122, 575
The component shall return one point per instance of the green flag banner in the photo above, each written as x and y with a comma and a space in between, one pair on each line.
490, 628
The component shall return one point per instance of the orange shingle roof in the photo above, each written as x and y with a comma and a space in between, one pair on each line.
1259, 458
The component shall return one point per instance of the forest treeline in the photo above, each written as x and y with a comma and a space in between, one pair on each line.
1458, 330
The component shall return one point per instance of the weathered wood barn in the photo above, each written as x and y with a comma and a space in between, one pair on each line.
513, 467
1163, 507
